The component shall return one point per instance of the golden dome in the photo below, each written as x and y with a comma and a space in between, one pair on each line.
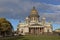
34, 11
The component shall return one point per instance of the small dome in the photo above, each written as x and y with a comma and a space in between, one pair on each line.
43, 18
27, 17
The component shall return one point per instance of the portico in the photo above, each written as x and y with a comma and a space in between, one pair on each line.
36, 30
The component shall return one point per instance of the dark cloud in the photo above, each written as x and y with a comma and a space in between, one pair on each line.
19, 9
53, 17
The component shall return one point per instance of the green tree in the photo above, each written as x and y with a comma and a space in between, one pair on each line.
5, 27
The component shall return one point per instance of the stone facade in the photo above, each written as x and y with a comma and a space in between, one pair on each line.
33, 25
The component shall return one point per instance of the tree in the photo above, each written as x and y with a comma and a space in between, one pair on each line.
5, 27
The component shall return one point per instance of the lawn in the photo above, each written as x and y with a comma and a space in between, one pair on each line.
32, 37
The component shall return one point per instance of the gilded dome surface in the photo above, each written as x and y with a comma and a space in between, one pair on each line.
34, 11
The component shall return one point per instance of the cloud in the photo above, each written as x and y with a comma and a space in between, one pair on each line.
53, 17
19, 9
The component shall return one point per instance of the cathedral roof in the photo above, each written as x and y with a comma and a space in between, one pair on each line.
36, 25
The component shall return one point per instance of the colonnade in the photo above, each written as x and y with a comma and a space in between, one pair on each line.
36, 30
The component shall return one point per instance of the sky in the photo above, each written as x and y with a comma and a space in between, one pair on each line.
17, 10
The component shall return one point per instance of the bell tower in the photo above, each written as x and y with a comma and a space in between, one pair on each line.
34, 17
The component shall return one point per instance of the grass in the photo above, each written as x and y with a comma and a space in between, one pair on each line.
32, 37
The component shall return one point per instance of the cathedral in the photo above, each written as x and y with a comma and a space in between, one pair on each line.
33, 25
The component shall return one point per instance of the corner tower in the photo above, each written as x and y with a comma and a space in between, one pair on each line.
34, 17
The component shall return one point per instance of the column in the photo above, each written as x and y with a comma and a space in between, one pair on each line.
31, 30
39, 30
34, 30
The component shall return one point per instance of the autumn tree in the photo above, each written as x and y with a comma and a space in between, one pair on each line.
5, 27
